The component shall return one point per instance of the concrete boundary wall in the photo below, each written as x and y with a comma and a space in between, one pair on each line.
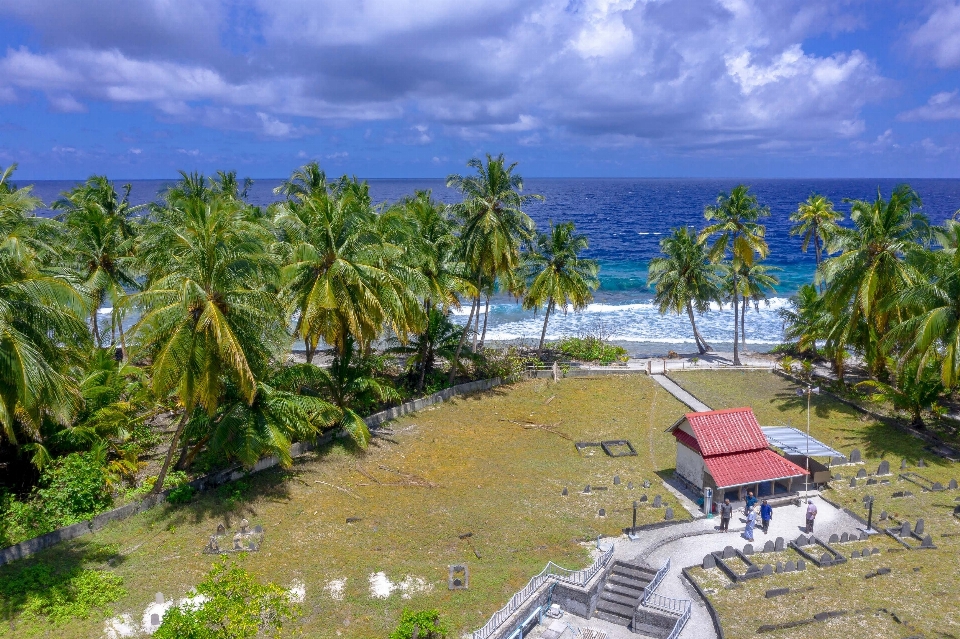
31, 546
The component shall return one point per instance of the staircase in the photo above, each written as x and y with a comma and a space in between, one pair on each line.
622, 591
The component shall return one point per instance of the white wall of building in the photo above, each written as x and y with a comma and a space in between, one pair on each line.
690, 465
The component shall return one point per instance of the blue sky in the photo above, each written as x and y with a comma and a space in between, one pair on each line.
413, 88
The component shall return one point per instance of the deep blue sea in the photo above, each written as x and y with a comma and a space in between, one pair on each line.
625, 219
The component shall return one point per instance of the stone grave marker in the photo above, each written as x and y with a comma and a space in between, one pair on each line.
154, 619
244, 524
253, 545
801, 564
921, 464
768, 546
802, 540
158, 598
629, 485
646, 483
861, 473
927, 542
458, 577
564, 492
837, 477
871, 482
709, 561
905, 529
657, 501
855, 456
833, 539
844, 537
616, 480
767, 570
729, 552
776, 592
238, 541
748, 549
836, 461
876, 551
897, 493
779, 566
853, 482
668, 514
855, 554
952, 485
826, 559
221, 529
586, 489
937, 486
884, 468
258, 529
779, 544
883, 515
864, 535
753, 570
903, 464
907, 493
642, 499
790, 566
602, 512
919, 527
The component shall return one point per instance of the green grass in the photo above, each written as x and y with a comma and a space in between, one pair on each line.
464, 466
923, 586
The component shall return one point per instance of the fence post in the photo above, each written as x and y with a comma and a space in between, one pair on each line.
556, 372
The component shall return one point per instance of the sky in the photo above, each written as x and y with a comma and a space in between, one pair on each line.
414, 88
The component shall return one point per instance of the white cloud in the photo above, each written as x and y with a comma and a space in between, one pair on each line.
941, 106
66, 104
939, 37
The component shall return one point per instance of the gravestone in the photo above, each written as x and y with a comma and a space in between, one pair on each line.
253, 545
767, 570
753, 570
844, 537
837, 477
158, 598
646, 483
616, 480
836, 461
564, 492
883, 515
768, 546
221, 529
776, 592
833, 539
897, 493
907, 493
855, 456
853, 482
778, 545
244, 524
586, 489
237, 541
802, 540
937, 486
855, 554
657, 501
458, 577
629, 485
602, 512
668, 514
729, 552
871, 482
826, 559
801, 564
709, 561
258, 529
884, 468
864, 535
919, 527
927, 542
903, 464
921, 464
643, 498
779, 566
952, 485
748, 550
861, 473
154, 619
790, 566
905, 529
876, 551
213, 546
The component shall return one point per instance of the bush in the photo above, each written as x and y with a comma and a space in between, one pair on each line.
508, 364
428, 622
181, 494
39, 591
592, 349
233, 493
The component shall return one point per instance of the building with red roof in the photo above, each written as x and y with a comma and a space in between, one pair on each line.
726, 450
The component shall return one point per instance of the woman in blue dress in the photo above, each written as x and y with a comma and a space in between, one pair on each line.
751, 522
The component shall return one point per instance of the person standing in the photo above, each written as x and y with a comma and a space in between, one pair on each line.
726, 512
751, 523
766, 514
751, 502
811, 515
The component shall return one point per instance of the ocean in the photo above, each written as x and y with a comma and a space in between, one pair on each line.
625, 219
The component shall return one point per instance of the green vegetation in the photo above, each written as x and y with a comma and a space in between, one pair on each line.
427, 623
591, 348
493, 464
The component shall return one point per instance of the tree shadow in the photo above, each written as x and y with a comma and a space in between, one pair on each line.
49, 573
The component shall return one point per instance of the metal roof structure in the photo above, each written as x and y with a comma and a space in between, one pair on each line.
795, 442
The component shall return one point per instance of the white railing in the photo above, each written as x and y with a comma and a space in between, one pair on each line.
652, 586
669, 605
552, 572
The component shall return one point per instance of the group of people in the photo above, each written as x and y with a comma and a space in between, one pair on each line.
764, 512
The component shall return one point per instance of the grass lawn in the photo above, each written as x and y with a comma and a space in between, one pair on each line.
922, 589
465, 466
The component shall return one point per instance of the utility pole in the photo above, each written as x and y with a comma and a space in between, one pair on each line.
808, 391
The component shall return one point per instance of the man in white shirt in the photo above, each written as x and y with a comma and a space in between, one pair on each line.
811, 515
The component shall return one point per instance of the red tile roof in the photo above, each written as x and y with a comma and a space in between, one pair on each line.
720, 432
750, 467
687, 440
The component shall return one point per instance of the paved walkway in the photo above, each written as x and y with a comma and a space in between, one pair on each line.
674, 389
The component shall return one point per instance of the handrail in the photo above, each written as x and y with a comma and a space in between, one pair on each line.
657, 578
669, 605
552, 572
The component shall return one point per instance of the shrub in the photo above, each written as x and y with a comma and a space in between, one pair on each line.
181, 494
233, 493
509, 365
427, 621
73, 488
592, 349
38, 590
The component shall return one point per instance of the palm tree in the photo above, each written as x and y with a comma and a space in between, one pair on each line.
99, 239
871, 263
40, 326
494, 224
438, 340
807, 319
685, 279
208, 318
309, 180
756, 282
556, 274
815, 220
342, 278
737, 224
917, 388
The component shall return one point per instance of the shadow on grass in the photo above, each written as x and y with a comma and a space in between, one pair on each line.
51, 575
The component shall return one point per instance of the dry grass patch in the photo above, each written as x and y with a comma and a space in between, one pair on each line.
466, 466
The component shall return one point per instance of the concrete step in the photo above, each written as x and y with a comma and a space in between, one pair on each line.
646, 630
612, 607
612, 618
626, 591
606, 595
629, 582
632, 571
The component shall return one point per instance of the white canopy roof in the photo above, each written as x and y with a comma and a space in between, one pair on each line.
795, 442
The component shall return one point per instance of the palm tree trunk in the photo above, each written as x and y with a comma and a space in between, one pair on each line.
308, 350
702, 346
123, 341
186, 458
743, 324
94, 325
158, 485
463, 338
736, 319
816, 246
476, 327
543, 333
486, 314
424, 348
